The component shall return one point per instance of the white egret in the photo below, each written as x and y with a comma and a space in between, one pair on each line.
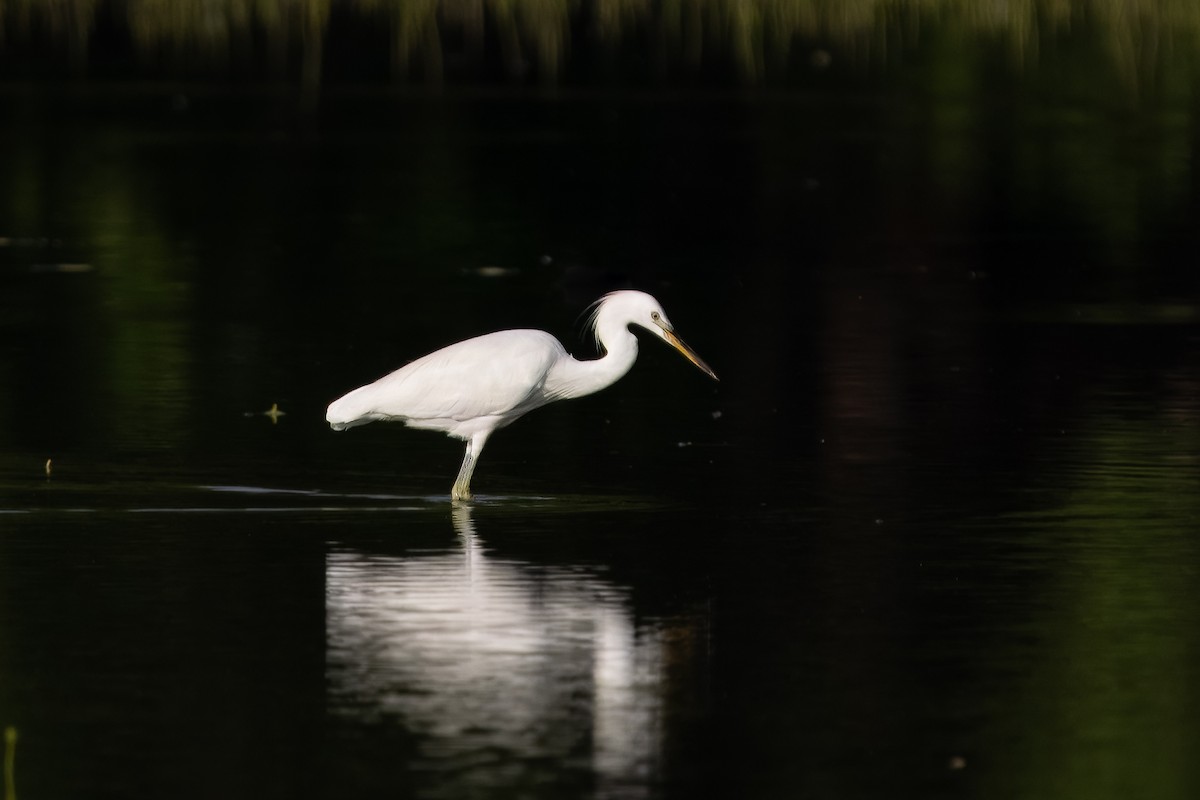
471, 388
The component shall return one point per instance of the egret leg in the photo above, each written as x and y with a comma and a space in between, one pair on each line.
462, 484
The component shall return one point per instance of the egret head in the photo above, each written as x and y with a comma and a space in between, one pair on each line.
629, 307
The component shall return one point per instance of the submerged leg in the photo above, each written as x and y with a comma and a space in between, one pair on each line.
462, 484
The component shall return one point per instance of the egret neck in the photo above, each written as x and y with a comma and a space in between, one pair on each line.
571, 378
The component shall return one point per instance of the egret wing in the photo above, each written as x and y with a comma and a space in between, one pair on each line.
492, 375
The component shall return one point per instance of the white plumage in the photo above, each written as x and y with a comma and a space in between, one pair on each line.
471, 388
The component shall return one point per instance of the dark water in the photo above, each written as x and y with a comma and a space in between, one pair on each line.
932, 535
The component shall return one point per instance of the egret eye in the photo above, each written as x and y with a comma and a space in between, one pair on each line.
654, 315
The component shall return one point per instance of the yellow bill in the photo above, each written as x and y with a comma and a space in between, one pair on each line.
688, 353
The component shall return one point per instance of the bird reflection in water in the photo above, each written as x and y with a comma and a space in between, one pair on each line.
502, 670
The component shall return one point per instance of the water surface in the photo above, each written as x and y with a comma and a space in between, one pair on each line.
932, 535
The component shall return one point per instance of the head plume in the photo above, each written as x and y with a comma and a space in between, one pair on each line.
591, 325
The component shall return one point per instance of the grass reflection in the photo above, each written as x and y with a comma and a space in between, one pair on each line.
1113, 672
755, 39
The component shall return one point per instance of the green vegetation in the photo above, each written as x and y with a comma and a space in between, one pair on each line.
756, 40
